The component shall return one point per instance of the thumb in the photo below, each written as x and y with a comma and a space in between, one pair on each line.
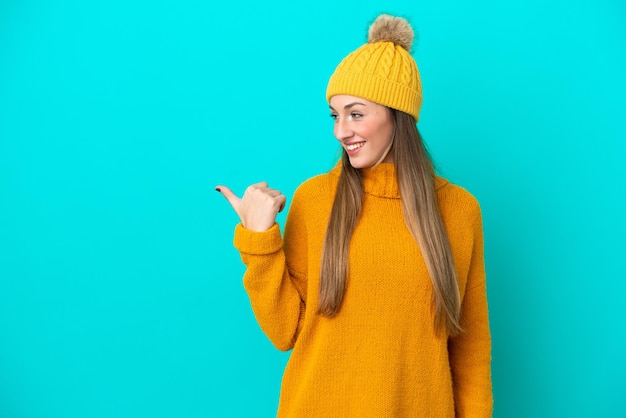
232, 198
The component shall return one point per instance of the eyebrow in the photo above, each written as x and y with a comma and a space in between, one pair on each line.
349, 105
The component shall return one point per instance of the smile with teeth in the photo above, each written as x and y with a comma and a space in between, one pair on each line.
352, 147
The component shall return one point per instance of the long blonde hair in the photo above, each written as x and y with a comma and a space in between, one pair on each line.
416, 177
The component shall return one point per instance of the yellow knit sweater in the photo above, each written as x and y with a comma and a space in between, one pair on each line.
379, 357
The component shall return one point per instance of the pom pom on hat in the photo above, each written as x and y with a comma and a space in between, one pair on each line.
382, 70
388, 28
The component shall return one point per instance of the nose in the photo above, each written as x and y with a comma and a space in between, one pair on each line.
343, 130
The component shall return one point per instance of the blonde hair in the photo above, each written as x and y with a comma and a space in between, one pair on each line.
416, 177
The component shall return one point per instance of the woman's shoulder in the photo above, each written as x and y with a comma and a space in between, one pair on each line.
455, 198
319, 185
315, 195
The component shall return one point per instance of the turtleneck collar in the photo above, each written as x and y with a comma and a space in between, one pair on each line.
382, 181
377, 181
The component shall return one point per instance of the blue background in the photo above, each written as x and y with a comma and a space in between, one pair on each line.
120, 291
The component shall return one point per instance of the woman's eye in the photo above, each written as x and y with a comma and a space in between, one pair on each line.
333, 116
356, 115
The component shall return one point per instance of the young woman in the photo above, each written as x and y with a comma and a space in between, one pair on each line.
378, 285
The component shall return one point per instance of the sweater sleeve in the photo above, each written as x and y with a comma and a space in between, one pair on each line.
470, 351
277, 291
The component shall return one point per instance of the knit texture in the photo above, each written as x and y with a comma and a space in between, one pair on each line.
380, 356
383, 72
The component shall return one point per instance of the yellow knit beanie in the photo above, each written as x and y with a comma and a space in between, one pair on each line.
382, 71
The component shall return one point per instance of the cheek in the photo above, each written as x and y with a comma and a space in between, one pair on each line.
384, 133
390, 134
389, 130
366, 130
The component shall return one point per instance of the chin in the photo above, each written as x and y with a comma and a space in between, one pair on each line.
361, 164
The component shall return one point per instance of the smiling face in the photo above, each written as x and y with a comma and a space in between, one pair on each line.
364, 128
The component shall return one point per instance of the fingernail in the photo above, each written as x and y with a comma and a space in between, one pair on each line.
218, 189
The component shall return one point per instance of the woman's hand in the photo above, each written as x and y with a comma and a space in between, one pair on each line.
258, 207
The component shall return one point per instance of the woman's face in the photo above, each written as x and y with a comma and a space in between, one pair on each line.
364, 128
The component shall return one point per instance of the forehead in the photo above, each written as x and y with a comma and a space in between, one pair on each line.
340, 101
